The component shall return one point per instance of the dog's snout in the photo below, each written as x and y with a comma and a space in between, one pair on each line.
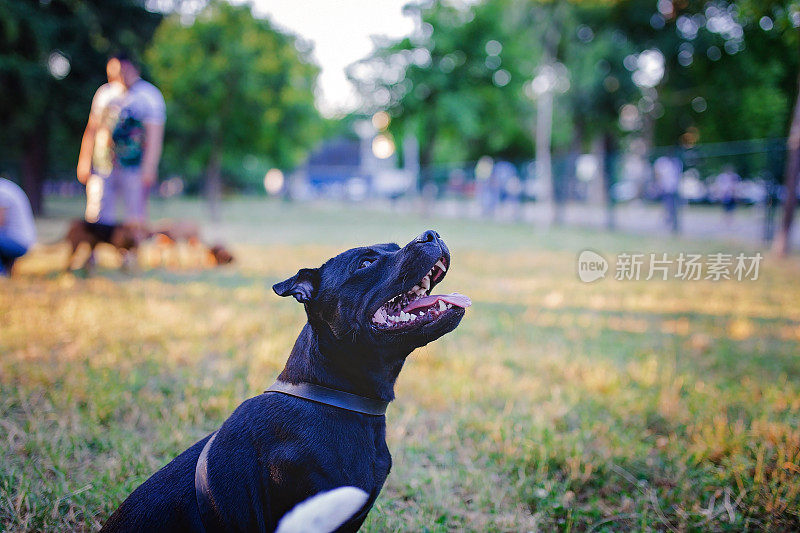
427, 236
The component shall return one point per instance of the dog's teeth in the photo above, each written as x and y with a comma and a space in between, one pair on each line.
441, 265
442, 305
380, 316
426, 283
449, 306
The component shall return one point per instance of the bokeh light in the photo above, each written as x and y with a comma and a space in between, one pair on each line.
381, 120
58, 65
383, 146
649, 69
273, 181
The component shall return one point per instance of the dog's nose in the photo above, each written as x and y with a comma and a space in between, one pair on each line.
427, 236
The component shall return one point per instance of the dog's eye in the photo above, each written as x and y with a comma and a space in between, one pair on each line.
365, 263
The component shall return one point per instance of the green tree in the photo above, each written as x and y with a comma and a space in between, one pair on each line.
462, 82
594, 53
729, 74
456, 84
235, 88
739, 61
783, 16
52, 59
725, 78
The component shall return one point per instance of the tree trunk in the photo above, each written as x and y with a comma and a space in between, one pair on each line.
595, 193
428, 141
543, 163
34, 165
609, 153
575, 188
426, 186
782, 239
214, 182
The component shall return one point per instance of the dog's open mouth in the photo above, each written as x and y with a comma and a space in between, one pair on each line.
417, 307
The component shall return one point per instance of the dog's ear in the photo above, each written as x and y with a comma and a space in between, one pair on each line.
303, 285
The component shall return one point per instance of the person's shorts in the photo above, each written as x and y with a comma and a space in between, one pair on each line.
103, 193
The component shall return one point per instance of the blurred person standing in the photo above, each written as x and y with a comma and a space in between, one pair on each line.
726, 184
122, 144
668, 171
508, 187
17, 231
95, 160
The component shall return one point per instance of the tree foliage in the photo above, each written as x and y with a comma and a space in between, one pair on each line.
455, 82
239, 93
727, 77
728, 74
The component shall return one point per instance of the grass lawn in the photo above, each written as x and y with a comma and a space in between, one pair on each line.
556, 405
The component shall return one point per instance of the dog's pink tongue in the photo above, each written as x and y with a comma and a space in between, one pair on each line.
426, 301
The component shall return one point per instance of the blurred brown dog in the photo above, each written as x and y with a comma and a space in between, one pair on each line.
124, 237
220, 254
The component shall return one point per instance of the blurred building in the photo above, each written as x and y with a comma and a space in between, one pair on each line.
352, 169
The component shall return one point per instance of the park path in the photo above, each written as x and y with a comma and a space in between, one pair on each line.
700, 222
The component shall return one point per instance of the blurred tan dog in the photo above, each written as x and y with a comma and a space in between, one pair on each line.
221, 254
178, 230
177, 239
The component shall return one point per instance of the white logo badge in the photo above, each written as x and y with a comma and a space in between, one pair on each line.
591, 266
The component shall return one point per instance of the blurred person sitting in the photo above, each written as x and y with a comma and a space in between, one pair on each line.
122, 144
17, 231
668, 171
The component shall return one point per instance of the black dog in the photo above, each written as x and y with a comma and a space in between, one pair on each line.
321, 426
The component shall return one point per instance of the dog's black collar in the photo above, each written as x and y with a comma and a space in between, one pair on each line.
336, 398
